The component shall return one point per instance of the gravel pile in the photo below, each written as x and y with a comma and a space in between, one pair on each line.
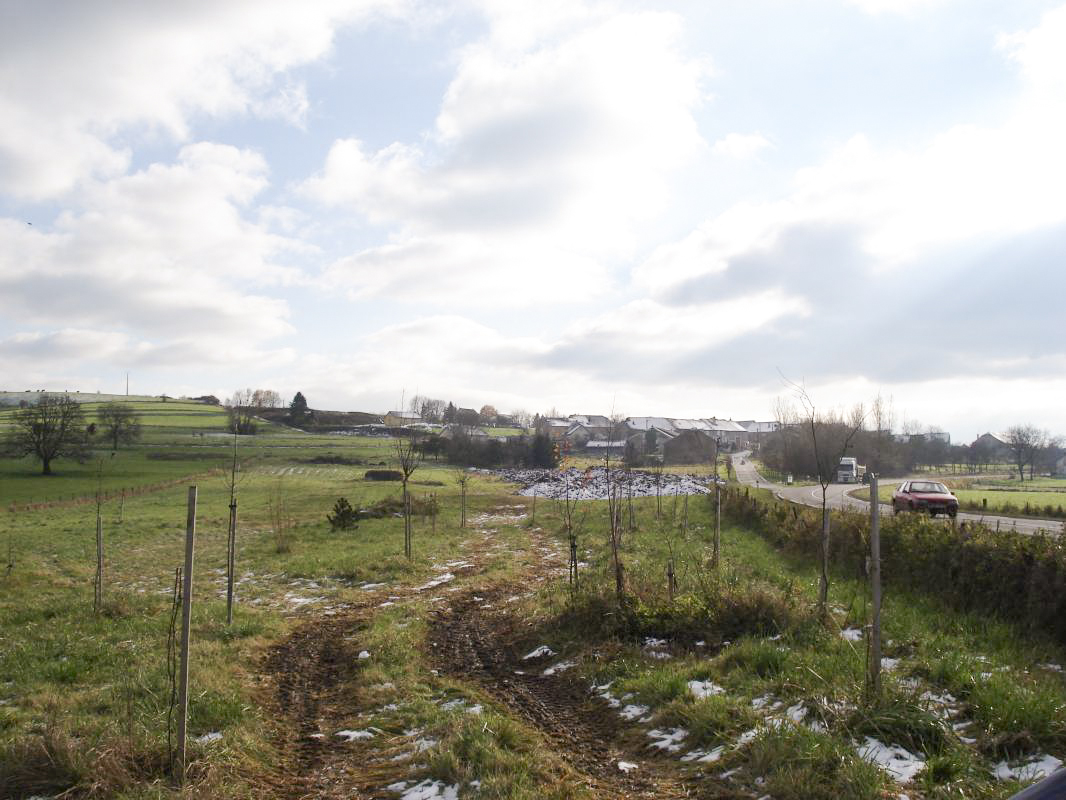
592, 484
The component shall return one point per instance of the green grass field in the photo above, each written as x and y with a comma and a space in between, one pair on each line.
1009, 502
84, 697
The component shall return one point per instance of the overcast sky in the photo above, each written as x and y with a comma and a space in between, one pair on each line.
664, 208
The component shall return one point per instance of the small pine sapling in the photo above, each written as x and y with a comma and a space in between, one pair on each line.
344, 517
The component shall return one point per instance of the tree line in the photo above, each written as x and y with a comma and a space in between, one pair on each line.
56, 427
873, 442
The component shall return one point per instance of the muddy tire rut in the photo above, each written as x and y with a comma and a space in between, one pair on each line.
470, 643
308, 670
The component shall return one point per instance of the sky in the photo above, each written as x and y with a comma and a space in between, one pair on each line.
673, 208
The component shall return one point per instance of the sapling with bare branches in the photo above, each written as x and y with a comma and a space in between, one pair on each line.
462, 477
830, 437
409, 456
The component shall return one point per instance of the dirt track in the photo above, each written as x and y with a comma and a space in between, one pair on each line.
470, 643
312, 674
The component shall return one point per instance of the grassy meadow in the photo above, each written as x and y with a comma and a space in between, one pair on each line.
732, 666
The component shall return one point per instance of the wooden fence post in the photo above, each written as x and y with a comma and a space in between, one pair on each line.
186, 624
875, 589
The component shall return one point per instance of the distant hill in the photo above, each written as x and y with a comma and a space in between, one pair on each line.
15, 398
324, 421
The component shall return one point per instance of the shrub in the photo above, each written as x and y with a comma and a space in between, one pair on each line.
344, 517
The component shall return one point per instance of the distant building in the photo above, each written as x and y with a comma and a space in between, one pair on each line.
689, 447
1060, 468
401, 419
995, 445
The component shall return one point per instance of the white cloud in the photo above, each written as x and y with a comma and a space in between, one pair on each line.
555, 141
80, 84
904, 7
967, 184
164, 251
740, 145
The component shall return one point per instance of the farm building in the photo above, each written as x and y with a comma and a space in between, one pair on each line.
689, 447
401, 419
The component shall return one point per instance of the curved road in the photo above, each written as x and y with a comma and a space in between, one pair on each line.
838, 497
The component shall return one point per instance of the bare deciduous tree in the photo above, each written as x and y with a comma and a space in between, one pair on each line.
1025, 441
119, 423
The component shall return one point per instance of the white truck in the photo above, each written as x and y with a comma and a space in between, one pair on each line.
848, 470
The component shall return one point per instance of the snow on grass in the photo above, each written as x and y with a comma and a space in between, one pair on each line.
796, 713
364, 654
1030, 770
701, 689
540, 652
626, 766
668, 740
851, 634
632, 712
889, 664
426, 790
560, 667
901, 764
207, 738
704, 756
354, 736
445, 578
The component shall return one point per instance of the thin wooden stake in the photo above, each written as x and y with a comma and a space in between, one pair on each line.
875, 588
186, 626
98, 589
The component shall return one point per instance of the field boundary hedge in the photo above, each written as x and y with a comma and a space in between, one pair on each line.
1016, 577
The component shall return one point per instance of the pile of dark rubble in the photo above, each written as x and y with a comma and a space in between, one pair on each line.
592, 484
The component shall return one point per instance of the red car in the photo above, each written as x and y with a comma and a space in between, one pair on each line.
929, 496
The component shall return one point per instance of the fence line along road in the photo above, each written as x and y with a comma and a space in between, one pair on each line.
838, 496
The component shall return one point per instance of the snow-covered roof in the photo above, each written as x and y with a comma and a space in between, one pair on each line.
594, 444
404, 415
590, 420
752, 426
643, 423
724, 426
691, 424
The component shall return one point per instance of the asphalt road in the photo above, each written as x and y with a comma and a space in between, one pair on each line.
838, 497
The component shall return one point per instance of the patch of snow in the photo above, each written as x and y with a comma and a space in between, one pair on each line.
796, 713
889, 663
213, 736
369, 587
659, 655
1032, 769
704, 756
364, 654
632, 712
430, 790
667, 740
701, 643
540, 652
761, 702
897, 762
851, 634
652, 643
1052, 667
445, 578
747, 737
560, 667
626, 766
703, 689
353, 736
